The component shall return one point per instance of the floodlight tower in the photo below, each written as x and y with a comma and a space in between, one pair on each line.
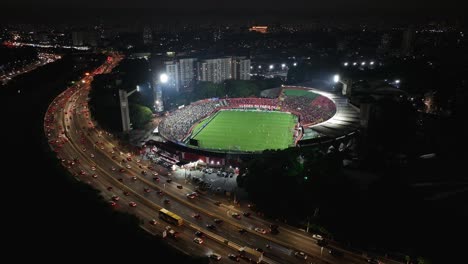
158, 103
124, 110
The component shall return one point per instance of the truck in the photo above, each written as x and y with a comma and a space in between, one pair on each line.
251, 255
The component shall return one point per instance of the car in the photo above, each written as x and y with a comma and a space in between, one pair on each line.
199, 234
114, 157
218, 221
335, 253
242, 231
190, 195
215, 256
260, 230
234, 257
93, 168
156, 179
196, 216
112, 203
155, 174
153, 221
94, 176
300, 254
318, 237
168, 180
124, 160
109, 188
120, 180
259, 250
82, 172
179, 187
115, 198
217, 203
129, 159
373, 261
128, 166
211, 226
167, 201
246, 214
92, 155
146, 190
121, 170
143, 172
134, 178
132, 204
138, 160
112, 168
198, 240
274, 229
236, 215
159, 192
126, 193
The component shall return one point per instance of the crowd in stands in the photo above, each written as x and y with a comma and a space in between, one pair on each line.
311, 111
177, 125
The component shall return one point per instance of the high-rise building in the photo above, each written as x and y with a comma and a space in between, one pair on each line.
384, 45
408, 41
187, 70
215, 70
78, 38
147, 36
84, 38
172, 71
240, 68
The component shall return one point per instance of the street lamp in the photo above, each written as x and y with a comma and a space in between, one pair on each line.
271, 67
337, 79
283, 65
163, 78
345, 64
295, 64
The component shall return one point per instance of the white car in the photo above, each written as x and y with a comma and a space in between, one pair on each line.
318, 237
128, 166
198, 240
215, 256
260, 230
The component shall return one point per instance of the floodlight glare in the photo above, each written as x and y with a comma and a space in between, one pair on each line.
336, 78
163, 78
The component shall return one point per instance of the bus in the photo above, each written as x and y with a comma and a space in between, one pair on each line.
170, 217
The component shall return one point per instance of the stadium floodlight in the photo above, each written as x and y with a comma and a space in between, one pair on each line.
283, 65
138, 88
354, 63
345, 64
295, 64
259, 66
371, 63
363, 63
397, 81
336, 78
271, 67
163, 78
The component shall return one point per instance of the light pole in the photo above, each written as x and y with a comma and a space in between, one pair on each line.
346, 87
124, 108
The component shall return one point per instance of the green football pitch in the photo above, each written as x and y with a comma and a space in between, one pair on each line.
239, 130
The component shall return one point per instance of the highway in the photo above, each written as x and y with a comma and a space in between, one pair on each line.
96, 157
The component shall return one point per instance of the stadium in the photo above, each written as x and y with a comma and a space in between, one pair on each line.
288, 117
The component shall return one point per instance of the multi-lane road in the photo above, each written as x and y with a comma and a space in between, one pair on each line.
95, 157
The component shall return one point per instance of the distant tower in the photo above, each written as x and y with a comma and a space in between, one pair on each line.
385, 42
147, 36
408, 40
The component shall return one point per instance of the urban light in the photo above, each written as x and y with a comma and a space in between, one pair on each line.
163, 78
259, 66
354, 63
363, 63
138, 88
283, 65
371, 63
336, 78
271, 67
295, 64
345, 64
397, 81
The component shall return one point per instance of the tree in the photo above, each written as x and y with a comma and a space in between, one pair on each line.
140, 115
